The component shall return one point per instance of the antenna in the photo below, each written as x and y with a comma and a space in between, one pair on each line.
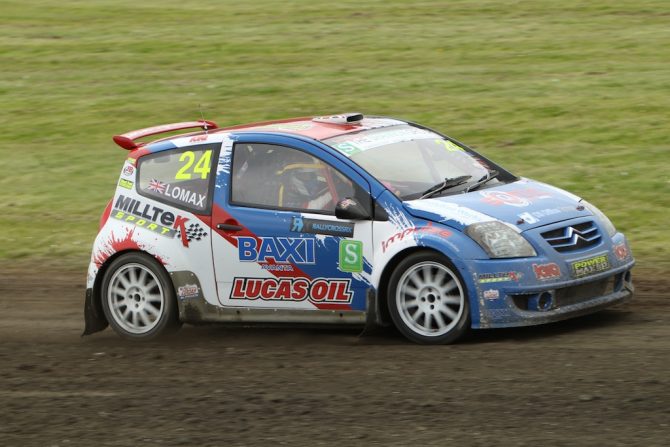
202, 115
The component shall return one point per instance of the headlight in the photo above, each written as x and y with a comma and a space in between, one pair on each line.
609, 226
499, 240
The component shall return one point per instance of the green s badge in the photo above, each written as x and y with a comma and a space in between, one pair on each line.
351, 256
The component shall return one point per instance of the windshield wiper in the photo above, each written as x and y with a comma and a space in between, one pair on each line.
446, 184
489, 176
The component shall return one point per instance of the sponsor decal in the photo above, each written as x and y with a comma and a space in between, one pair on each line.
128, 170
277, 267
449, 211
351, 256
546, 271
297, 224
131, 160
550, 212
519, 198
347, 148
317, 226
535, 216
503, 198
491, 294
317, 291
528, 218
621, 251
485, 278
360, 143
282, 250
143, 223
590, 266
287, 126
429, 228
177, 193
188, 291
156, 219
126, 184
198, 138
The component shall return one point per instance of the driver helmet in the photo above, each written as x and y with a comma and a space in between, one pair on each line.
304, 181
299, 181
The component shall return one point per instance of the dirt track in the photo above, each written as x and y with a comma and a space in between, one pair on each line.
598, 380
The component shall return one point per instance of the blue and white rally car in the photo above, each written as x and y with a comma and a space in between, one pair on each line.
341, 219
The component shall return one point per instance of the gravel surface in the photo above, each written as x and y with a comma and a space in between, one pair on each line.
597, 380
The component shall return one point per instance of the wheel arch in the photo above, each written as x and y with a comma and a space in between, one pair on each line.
385, 278
93, 312
428, 244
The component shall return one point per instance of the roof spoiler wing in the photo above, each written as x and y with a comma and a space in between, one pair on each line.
127, 140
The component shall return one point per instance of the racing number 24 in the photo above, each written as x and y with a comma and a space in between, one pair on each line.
201, 167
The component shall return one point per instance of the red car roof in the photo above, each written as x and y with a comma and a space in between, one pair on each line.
318, 128
306, 126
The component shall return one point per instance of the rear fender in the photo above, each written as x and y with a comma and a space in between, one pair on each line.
94, 317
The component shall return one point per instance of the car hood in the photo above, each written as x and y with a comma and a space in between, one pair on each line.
535, 203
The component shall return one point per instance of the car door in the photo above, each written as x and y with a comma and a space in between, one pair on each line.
282, 247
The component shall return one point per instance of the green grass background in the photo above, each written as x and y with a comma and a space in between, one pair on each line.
573, 93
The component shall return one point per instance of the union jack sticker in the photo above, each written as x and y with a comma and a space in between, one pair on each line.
156, 186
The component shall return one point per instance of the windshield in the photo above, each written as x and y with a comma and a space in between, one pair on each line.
409, 160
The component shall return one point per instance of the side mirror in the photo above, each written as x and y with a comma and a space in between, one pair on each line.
349, 208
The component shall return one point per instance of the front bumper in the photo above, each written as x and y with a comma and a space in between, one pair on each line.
525, 304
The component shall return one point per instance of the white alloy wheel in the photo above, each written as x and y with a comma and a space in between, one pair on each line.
430, 299
135, 298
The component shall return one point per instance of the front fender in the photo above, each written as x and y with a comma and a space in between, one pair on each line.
459, 249
404, 234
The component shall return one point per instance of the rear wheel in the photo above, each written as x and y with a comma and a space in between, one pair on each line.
138, 298
428, 301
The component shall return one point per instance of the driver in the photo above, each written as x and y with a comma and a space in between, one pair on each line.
302, 185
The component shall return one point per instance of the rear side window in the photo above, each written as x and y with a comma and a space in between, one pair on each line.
181, 177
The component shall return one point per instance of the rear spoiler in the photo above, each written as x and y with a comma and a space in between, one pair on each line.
127, 140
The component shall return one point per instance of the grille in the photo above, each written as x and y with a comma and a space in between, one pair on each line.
584, 292
574, 294
573, 237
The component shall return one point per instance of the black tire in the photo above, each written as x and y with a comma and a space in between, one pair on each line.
428, 300
138, 298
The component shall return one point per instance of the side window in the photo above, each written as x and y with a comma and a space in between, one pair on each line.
180, 177
279, 177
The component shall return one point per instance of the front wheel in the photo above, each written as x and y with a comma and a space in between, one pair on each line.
138, 298
427, 299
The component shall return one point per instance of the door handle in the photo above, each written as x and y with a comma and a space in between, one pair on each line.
230, 226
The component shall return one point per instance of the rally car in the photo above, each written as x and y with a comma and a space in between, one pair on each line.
344, 219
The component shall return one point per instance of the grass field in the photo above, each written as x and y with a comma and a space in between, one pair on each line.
573, 93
